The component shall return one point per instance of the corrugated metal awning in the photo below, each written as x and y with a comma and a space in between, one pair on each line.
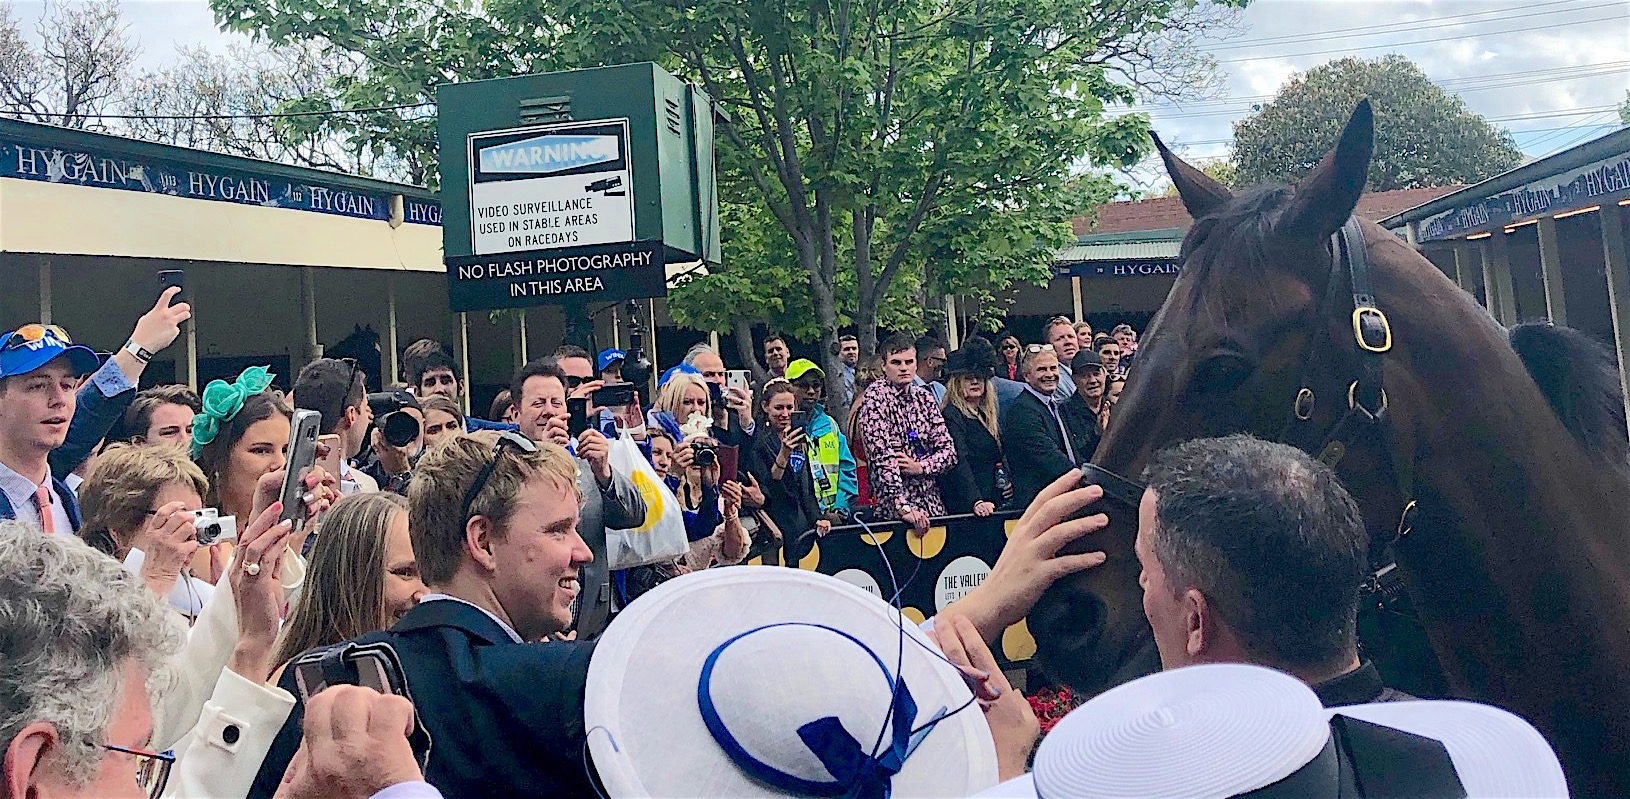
1120, 251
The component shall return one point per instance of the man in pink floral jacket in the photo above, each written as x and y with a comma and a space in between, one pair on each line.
906, 440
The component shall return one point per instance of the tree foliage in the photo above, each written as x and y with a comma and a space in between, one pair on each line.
1423, 135
1624, 109
1221, 170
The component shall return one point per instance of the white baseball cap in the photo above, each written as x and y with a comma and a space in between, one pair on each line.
726, 682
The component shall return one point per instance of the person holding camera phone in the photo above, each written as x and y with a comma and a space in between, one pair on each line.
609, 499
338, 389
779, 461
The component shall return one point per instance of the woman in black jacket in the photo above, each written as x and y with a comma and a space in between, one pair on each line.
974, 485
778, 460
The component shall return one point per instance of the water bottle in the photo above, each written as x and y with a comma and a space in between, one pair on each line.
1003, 485
918, 451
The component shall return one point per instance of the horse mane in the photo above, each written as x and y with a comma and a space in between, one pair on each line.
1229, 244
1580, 379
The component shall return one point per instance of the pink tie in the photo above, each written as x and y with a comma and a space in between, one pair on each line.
42, 498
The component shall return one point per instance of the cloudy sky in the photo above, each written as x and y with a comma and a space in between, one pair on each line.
1550, 71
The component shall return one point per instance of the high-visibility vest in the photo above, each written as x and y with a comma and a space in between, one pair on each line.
825, 465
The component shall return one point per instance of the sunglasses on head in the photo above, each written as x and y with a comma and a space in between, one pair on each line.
29, 334
508, 438
1035, 348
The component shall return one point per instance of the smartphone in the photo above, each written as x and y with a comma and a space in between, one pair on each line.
800, 420
302, 454
737, 378
176, 278
715, 395
578, 407
330, 457
729, 460
614, 395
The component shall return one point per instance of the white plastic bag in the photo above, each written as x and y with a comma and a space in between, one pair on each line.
662, 538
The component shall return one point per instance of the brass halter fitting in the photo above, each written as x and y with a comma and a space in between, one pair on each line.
1303, 407
1371, 329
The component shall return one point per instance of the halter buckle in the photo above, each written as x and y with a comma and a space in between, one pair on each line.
1352, 401
1370, 323
1303, 407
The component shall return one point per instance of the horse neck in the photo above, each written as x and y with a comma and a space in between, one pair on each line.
1485, 434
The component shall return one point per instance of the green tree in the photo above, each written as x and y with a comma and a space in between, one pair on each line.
1624, 109
1221, 170
862, 130
1423, 135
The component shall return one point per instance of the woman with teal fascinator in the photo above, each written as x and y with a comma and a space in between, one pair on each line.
240, 435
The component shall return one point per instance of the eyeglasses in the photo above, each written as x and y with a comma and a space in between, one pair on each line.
506, 438
1035, 348
29, 334
154, 771
573, 381
1010, 346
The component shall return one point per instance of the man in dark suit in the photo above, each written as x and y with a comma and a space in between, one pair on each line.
1040, 441
494, 527
609, 499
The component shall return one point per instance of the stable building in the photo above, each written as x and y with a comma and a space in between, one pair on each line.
1125, 259
1544, 241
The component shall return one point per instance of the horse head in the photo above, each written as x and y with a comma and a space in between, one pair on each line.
1225, 354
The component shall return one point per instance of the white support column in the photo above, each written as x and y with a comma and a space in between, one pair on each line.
1550, 269
308, 312
1497, 279
1618, 289
463, 355
45, 290
393, 369
191, 353
1465, 262
1075, 294
713, 340
951, 327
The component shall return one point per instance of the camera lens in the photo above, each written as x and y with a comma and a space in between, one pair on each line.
207, 534
400, 429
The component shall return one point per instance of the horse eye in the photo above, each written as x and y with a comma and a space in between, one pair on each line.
1222, 371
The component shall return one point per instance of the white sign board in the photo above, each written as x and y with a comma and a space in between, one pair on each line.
551, 187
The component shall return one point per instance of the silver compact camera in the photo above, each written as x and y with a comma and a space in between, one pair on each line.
210, 527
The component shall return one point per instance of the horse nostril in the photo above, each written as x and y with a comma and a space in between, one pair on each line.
1066, 619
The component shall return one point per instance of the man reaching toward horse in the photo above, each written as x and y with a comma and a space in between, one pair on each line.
1252, 552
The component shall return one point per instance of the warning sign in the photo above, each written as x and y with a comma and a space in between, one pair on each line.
550, 187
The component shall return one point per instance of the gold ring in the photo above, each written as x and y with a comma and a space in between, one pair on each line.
252, 568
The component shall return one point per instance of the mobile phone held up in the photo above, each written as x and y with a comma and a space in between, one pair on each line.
175, 278
614, 395
800, 420
578, 419
737, 378
302, 454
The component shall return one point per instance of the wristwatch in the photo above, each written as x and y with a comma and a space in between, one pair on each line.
141, 353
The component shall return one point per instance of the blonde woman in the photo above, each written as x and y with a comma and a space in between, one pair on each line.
973, 485
361, 577
682, 396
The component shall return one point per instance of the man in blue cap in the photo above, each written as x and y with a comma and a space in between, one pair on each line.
610, 362
50, 422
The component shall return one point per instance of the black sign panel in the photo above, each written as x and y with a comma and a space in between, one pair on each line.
598, 273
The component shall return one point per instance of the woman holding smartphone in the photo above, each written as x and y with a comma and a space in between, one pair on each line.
779, 460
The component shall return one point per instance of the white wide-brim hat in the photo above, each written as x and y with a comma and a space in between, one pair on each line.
1495, 752
1223, 730
783, 649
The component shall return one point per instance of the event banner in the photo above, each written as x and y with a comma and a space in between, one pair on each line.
928, 571
29, 159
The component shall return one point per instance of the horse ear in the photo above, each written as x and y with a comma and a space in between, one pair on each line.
1327, 196
1201, 193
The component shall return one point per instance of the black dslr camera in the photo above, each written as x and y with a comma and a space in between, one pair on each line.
705, 454
399, 428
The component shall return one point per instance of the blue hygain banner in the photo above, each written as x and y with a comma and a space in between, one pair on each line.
27, 161
1575, 188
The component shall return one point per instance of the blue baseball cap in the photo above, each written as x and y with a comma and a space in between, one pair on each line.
32, 346
682, 369
611, 355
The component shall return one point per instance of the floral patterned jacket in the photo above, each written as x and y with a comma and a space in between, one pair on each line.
904, 419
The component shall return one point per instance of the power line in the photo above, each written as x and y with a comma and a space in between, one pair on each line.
268, 115
1411, 29
1208, 142
1574, 72
1400, 26
1586, 132
1527, 29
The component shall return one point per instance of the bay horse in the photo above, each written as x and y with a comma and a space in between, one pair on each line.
1515, 553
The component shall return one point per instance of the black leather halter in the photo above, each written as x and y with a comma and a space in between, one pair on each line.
1366, 397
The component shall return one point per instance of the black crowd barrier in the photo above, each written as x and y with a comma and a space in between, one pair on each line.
930, 571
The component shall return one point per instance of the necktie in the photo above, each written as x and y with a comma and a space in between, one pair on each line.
42, 499
1063, 431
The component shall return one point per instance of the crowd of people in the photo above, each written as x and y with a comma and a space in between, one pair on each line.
431, 612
